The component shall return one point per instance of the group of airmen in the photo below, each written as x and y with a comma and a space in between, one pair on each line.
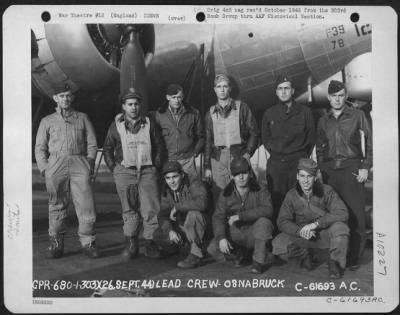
305, 204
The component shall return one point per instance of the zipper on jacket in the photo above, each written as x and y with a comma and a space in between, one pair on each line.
177, 133
242, 200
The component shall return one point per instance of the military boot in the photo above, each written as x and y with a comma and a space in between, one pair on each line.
151, 249
90, 250
131, 250
257, 268
191, 261
307, 263
334, 271
56, 246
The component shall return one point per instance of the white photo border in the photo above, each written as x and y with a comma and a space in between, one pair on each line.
17, 21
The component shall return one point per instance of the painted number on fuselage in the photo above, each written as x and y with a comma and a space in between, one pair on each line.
337, 43
363, 29
335, 31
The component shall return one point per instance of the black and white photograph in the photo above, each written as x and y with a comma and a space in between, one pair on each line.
244, 158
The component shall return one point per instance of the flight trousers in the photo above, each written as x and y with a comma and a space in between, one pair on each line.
281, 177
250, 236
189, 167
68, 177
192, 231
335, 237
353, 194
140, 199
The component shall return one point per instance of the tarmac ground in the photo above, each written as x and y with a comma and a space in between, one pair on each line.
75, 275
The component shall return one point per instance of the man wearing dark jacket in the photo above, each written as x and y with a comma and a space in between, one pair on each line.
182, 215
344, 151
231, 132
133, 152
288, 133
312, 216
182, 129
242, 218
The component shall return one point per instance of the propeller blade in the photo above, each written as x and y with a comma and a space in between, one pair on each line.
133, 69
114, 56
112, 33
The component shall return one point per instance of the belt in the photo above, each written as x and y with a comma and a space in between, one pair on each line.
142, 167
56, 154
289, 157
340, 163
222, 147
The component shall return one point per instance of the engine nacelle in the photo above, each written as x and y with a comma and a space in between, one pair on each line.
80, 55
357, 75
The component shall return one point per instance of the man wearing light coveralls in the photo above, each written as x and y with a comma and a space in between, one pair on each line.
65, 152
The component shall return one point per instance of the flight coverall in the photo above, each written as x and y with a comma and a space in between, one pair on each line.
323, 206
135, 172
63, 147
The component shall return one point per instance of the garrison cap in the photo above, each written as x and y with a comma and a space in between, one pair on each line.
61, 87
308, 165
171, 166
239, 165
174, 89
335, 86
221, 77
281, 79
129, 93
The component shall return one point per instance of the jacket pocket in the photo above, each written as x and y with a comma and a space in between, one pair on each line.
55, 134
55, 131
80, 136
190, 133
165, 132
300, 218
298, 127
56, 139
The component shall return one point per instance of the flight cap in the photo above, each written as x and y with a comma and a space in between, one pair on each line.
171, 166
221, 77
239, 165
129, 93
308, 165
283, 78
174, 89
61, 87
335, 86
